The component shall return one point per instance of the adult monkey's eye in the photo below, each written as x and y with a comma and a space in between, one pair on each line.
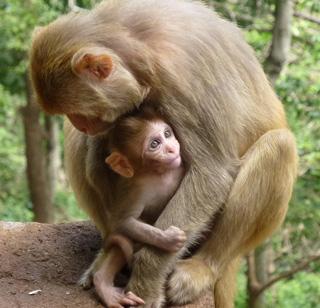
154, 144
168, 133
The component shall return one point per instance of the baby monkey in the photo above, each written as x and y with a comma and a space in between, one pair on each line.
146, 155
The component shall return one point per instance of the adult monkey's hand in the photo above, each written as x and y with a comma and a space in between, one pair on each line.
201, 75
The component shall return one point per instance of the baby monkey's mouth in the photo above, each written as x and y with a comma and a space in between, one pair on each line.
174, 162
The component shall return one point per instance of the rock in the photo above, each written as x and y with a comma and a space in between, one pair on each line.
40, 265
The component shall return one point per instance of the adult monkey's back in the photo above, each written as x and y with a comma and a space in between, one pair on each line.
201, 75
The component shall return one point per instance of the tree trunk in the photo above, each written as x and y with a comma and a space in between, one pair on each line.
259, 261
53, 160
281, 39
258, 274
40, 193
72, 4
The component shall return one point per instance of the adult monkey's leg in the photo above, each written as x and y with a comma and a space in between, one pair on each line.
256, 206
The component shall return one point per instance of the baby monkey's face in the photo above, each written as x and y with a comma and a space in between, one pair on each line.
160, 146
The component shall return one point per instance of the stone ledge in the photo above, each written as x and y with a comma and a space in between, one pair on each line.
50, 258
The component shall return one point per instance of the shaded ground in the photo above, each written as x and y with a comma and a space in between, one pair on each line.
49, 258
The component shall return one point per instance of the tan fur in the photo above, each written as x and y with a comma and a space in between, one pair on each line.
225, 287
196, 69
186, 276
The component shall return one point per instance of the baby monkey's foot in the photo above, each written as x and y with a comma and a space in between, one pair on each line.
115, 297
174, 239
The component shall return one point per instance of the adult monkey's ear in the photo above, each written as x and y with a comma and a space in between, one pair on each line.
120, 164
94, 63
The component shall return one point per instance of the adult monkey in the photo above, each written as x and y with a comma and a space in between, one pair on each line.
196, 69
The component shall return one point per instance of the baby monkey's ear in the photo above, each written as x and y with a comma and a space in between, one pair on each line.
120, 164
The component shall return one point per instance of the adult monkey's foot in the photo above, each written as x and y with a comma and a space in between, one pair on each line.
188, 281
86, 280
146, 279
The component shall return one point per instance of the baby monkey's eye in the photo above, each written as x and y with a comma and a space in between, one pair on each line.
168, 133
154, 144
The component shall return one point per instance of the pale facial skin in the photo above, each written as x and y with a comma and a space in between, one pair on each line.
151, 187
161, 149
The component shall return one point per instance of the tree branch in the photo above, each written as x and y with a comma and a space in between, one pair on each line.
291, 272
253, 282
307, 17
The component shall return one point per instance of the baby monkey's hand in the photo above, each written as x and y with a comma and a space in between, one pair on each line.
174, 239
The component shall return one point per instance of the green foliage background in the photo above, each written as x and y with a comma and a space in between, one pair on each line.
298, 88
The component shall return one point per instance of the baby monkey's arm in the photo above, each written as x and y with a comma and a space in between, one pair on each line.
171, 239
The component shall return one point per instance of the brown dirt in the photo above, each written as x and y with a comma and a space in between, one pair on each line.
50, 258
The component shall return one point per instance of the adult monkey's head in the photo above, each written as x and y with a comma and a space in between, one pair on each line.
85, 73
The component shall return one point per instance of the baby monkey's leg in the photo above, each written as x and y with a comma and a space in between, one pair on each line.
119, 252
